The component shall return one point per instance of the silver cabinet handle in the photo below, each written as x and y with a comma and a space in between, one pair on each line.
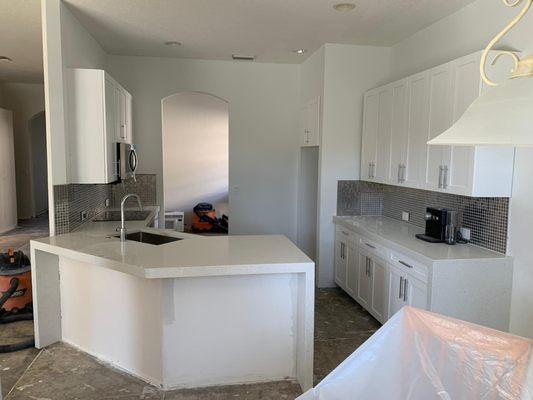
366, 266
403, 173
405, 282
369, 245
401, 285
404, 263
445, 177
342, 250
440, 176
399, 173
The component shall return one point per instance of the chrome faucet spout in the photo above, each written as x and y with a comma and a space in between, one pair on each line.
123, 231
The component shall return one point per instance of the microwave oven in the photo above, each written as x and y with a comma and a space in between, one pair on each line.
127, 161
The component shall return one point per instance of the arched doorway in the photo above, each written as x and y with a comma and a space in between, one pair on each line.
37, 131
195, 152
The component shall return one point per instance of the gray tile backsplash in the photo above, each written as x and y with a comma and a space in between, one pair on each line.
487, 218
70, 200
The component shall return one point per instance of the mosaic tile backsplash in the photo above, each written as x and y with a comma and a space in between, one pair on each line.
70, 200
487, 218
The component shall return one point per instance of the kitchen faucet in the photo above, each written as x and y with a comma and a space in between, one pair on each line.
122, 218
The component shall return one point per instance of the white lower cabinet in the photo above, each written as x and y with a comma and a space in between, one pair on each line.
380, 281
405, 289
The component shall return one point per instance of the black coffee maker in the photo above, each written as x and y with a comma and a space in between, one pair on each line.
441, 226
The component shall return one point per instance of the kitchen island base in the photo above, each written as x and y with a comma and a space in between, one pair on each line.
247, 325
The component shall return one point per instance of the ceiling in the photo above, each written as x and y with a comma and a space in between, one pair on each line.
20, 40
269, 29
215, 29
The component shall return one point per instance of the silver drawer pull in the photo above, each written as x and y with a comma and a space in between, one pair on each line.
369, 245
404, 263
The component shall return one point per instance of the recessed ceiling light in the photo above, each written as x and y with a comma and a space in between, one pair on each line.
5, 58
300, 51
343, 7
172, 43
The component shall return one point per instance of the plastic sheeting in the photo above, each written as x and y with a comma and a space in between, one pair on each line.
418, 355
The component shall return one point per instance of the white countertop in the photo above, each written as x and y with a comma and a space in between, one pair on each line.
195, 255
401, 236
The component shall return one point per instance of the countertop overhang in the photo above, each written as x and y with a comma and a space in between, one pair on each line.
191, 257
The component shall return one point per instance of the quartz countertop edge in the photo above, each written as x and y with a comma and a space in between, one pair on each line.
195, 256
400, 236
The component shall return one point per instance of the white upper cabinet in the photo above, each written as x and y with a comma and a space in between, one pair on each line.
310, 123
400, 118
370, 135
98, 116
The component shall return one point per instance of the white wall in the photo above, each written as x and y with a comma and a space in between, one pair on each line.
349, 71
25, 100
8, 200
195, 152
465, 31
263, 119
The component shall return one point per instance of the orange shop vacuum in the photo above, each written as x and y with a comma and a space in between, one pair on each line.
16, 295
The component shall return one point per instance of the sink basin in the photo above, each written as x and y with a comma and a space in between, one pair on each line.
150, 238
130, 215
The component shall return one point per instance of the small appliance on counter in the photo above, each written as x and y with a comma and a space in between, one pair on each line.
441, 226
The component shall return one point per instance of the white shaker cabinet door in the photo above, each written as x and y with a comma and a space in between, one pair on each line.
341, 257
352, 271
399, 132
415, 293
380, 290
364, 289
370, 134
381, 169
415, 163
440, 87
395, 290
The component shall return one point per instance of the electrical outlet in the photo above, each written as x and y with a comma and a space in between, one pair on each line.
406, 216
83, 216
465, 233
107, 202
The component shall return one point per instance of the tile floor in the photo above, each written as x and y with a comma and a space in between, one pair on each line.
27, 229
61, 372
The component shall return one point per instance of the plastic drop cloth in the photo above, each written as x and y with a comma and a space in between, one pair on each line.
418, 355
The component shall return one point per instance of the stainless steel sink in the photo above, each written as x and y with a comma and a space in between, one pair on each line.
130, 215
150, 238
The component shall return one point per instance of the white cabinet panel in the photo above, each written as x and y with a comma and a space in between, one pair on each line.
352, 270
415, 293
415, 163
310, 124
370, 134
399, 132
440, 87
382, 166
395, 290
364, 290
380, 290
341, 259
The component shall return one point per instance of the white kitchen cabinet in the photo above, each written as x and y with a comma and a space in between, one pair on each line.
406, 290
399, 131
364, 289
341, 257
98, 116
352, 269
370, 135
380, 290
310, 124
400, 118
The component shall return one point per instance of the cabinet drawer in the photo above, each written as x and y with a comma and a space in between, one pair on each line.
373, 248
414, 268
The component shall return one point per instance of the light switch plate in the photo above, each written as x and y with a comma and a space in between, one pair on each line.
405, 216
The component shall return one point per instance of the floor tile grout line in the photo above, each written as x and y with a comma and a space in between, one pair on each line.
24, 373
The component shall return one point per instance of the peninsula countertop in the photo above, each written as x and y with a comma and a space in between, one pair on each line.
192, 256
400, 235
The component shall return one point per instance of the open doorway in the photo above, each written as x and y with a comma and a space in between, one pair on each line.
195, 155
